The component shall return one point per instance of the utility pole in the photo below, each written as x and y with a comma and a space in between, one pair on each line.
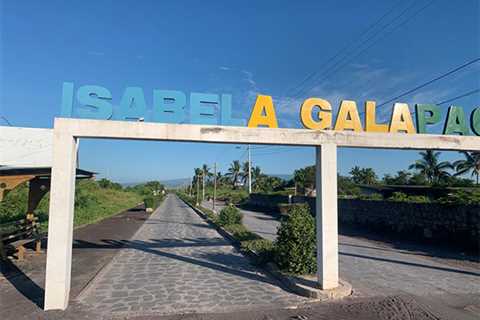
198, 192
249, 170
203, 184
214, 185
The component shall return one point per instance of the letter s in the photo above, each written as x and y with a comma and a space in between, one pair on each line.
94, 102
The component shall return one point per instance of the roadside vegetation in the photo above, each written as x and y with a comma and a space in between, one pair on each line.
460, 177
294, 251
94, 201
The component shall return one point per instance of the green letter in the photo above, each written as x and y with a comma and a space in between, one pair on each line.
456, 121
475, 121
426, 114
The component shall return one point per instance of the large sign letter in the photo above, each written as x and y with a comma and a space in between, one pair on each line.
426, 114
348, 118
226, 113
94, 102
475, 121
132, 105
169, 106
401, 120
324, 116
456, 122
263, 113
371, 124
202, 108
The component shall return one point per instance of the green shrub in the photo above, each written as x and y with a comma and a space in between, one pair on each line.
373, 197
241, 233
263, 247
230, 215
399, 197
152, 201
295, 250
461, 197
402, 197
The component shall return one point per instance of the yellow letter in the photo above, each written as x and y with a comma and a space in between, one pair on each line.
401, 119
263, 113
324, 115
348, 118
370, 119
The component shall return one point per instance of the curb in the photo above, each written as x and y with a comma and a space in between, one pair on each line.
343, 290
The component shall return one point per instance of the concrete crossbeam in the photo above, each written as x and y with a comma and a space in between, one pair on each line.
281, 136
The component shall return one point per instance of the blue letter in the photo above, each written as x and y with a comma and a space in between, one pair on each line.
67, 100
226, 113
132, 105
94, 102
202, 109
169, 106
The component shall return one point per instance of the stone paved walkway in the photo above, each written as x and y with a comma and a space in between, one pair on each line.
376, 268
177, 263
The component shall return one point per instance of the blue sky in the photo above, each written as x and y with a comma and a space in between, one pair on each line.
243, 48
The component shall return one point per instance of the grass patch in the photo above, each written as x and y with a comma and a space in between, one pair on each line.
92, 203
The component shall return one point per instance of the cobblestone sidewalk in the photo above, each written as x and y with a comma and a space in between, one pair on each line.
177, 263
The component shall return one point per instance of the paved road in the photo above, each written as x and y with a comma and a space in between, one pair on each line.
177, 263
378, 269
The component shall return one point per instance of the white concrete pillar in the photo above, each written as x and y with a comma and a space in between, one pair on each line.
60, 222
326, 216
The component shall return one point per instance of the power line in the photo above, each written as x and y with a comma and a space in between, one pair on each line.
431, 81
344, 48
6, 120
459, 97
334, 69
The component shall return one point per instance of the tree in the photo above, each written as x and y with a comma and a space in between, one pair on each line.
402, 178
304, 178
266, 184
196, 178
206, 174
431, 168
234, 172
363, 175
470, 163
244, 173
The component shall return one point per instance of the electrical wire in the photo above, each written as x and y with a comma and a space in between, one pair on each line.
341, 66
344, 48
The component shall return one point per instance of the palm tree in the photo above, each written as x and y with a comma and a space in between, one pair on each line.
196, 181
244, 173
256, 173
470, 163
431, 167
206, 172
234, 172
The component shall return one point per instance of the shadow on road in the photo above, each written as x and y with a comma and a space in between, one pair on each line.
26, 286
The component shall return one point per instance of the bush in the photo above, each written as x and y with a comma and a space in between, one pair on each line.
152, 201
264, 248
241, 233
295, 249
462, 197
229, 216
373, 197
402, 197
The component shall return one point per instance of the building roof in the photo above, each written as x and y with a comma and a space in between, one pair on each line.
39, 172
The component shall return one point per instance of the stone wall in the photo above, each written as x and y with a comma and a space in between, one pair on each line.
457, 224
